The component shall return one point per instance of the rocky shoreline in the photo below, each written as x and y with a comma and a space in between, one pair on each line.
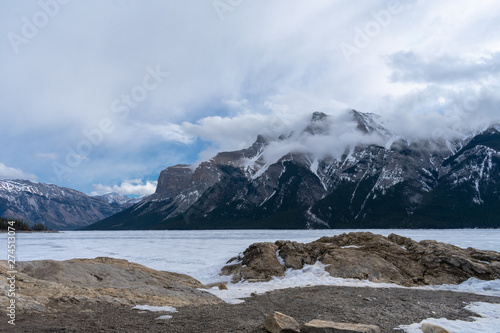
386, 307
97, 295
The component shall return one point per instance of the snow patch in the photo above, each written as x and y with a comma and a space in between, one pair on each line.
155, 308
164, 317
489, 322
280, 260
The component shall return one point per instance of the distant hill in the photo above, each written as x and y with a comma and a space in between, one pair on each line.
57, 208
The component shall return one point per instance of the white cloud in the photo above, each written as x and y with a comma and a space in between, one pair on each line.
127, 187
408, 66
167, 132
280, 115
229, 80
7, 172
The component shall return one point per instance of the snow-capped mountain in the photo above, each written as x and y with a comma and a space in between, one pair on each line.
117, 200
350, 174
57, 207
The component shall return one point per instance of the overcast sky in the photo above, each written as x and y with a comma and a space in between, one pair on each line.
102, 95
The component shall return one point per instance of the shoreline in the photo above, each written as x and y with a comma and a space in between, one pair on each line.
385, 307
32, 231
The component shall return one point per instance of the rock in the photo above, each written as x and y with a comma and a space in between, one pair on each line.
100, 280
220, 285
429, 328
295, 255
322, 326
259, 263
277, 322
363, 255
348, 263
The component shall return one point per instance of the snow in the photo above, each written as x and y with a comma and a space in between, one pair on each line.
164, 317
261, 171
489, 323
310, 275
269, 197
315, 275
11, 189
474, 286
155, 308
280, 260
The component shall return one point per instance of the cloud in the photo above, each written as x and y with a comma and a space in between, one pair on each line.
412, 67
167, 132
7, 172
333, 136
261, 68
278, 115
127, 187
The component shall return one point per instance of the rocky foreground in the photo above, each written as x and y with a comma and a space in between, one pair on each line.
43, 284
97, 295
386, 308
366, 256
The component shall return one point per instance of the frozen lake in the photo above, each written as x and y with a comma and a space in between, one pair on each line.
201, 254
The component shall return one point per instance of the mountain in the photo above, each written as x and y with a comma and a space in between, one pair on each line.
117, 200
59, 208
334, 173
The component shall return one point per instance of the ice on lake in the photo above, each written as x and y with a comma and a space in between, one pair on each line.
203, 253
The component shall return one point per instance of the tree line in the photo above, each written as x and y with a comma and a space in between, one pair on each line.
19, 225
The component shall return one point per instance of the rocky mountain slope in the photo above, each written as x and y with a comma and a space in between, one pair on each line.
59, 208
352, 174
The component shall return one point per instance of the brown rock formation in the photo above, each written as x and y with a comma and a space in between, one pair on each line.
102, 279
363, 255
259, 263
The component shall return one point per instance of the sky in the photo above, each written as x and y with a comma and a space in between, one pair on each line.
101, 96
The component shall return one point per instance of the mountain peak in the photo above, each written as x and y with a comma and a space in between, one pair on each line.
318, 116
368, 123
318, 124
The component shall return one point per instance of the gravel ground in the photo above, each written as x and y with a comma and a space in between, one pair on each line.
387, 308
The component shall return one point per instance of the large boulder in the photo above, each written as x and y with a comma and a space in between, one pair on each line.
258, 263
278, 322
38, 283
364, 255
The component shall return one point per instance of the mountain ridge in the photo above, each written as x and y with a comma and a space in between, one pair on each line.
304, 179
58, 208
